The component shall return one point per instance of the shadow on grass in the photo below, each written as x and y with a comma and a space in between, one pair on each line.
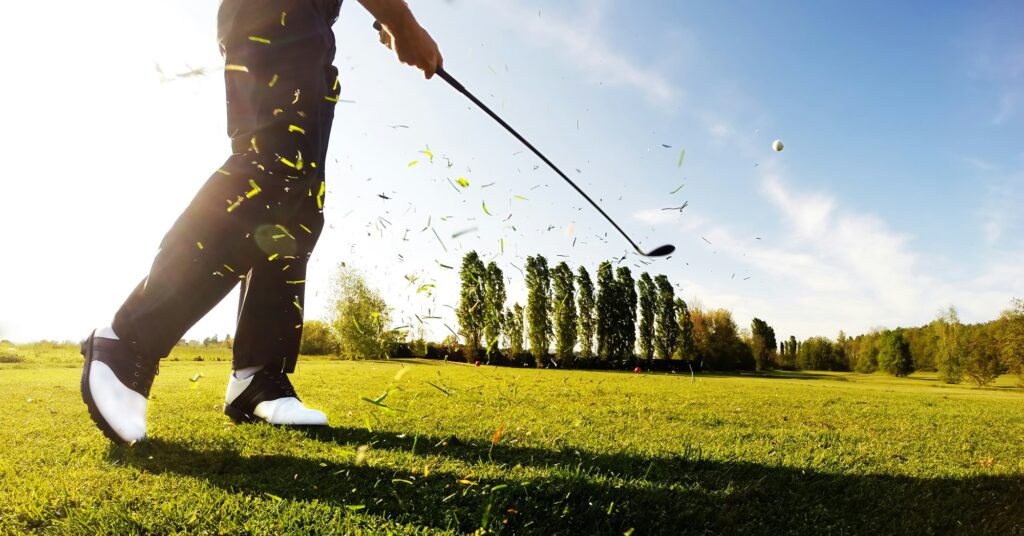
588, 493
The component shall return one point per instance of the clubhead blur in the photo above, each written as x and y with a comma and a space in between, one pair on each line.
667, 249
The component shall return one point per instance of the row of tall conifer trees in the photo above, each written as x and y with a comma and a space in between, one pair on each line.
614, 318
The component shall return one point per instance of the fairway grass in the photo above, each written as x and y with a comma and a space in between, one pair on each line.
580, 453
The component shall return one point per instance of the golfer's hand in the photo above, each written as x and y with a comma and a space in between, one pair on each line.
413, 46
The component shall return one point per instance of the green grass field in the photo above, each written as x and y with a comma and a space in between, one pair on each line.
581, 453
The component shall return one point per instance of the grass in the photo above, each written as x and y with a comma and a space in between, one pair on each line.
581, 453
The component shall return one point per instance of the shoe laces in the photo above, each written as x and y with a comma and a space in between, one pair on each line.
283, 384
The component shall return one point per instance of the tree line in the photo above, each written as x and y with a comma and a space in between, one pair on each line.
572, 320
615, 321
957, 351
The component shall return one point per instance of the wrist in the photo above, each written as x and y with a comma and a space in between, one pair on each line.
399, 21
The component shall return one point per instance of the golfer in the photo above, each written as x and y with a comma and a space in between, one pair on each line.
254, 222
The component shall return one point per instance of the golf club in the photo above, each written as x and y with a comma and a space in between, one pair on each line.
656, 252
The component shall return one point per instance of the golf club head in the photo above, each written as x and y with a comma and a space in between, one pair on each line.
660, 251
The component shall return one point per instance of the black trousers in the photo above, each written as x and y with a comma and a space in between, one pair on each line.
258, 217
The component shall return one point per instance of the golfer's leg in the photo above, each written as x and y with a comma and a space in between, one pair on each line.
271, 306
274, 85
272, 301
270, 313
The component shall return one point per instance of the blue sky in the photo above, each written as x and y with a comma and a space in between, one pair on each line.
899, 190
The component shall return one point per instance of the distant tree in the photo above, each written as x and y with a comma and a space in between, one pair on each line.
788, 358
472, 302
1011, 325
494, 304
841, 353
360, 317
762, 337
666, 325
607, 310
981, 356
318, 339
646, 292
894, 353
514, 329
949, 358
538, 307
724, 349
626, 288
687, 348
867, 354
818, 353
701, 333
564, 312
585, 306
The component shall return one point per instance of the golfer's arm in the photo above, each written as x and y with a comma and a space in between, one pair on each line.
393, 14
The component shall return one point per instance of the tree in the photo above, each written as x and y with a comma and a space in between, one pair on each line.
762, 338
666, 329
607, 308
894, 353
867, 353
787, 353
723, 349
514, 329
687, 345
627, 314
564, 312
645, 286
585, 313
950, 354
981, 356
494, 304
472, 301
360, 317
538, 306
842, 351
819, 353
318, 339
1011, 324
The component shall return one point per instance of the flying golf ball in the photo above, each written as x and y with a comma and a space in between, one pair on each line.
777, 145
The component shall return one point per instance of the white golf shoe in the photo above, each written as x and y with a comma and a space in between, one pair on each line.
269, 397
115, 388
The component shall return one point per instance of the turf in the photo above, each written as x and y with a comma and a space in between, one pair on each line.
580, 453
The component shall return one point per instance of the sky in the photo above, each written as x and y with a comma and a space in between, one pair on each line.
899, 191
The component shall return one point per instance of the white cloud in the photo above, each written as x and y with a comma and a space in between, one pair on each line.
655, 216
581, 40
832, 268
1001, 215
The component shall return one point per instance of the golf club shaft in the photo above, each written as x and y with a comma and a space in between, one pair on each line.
462, 89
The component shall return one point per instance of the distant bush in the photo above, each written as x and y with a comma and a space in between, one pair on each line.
10, 355
523, 359
401, 351
440, 351
318, 338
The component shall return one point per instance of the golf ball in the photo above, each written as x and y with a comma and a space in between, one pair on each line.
777, 145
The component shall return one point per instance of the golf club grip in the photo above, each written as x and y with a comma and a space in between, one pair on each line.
440, 70
462, 89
